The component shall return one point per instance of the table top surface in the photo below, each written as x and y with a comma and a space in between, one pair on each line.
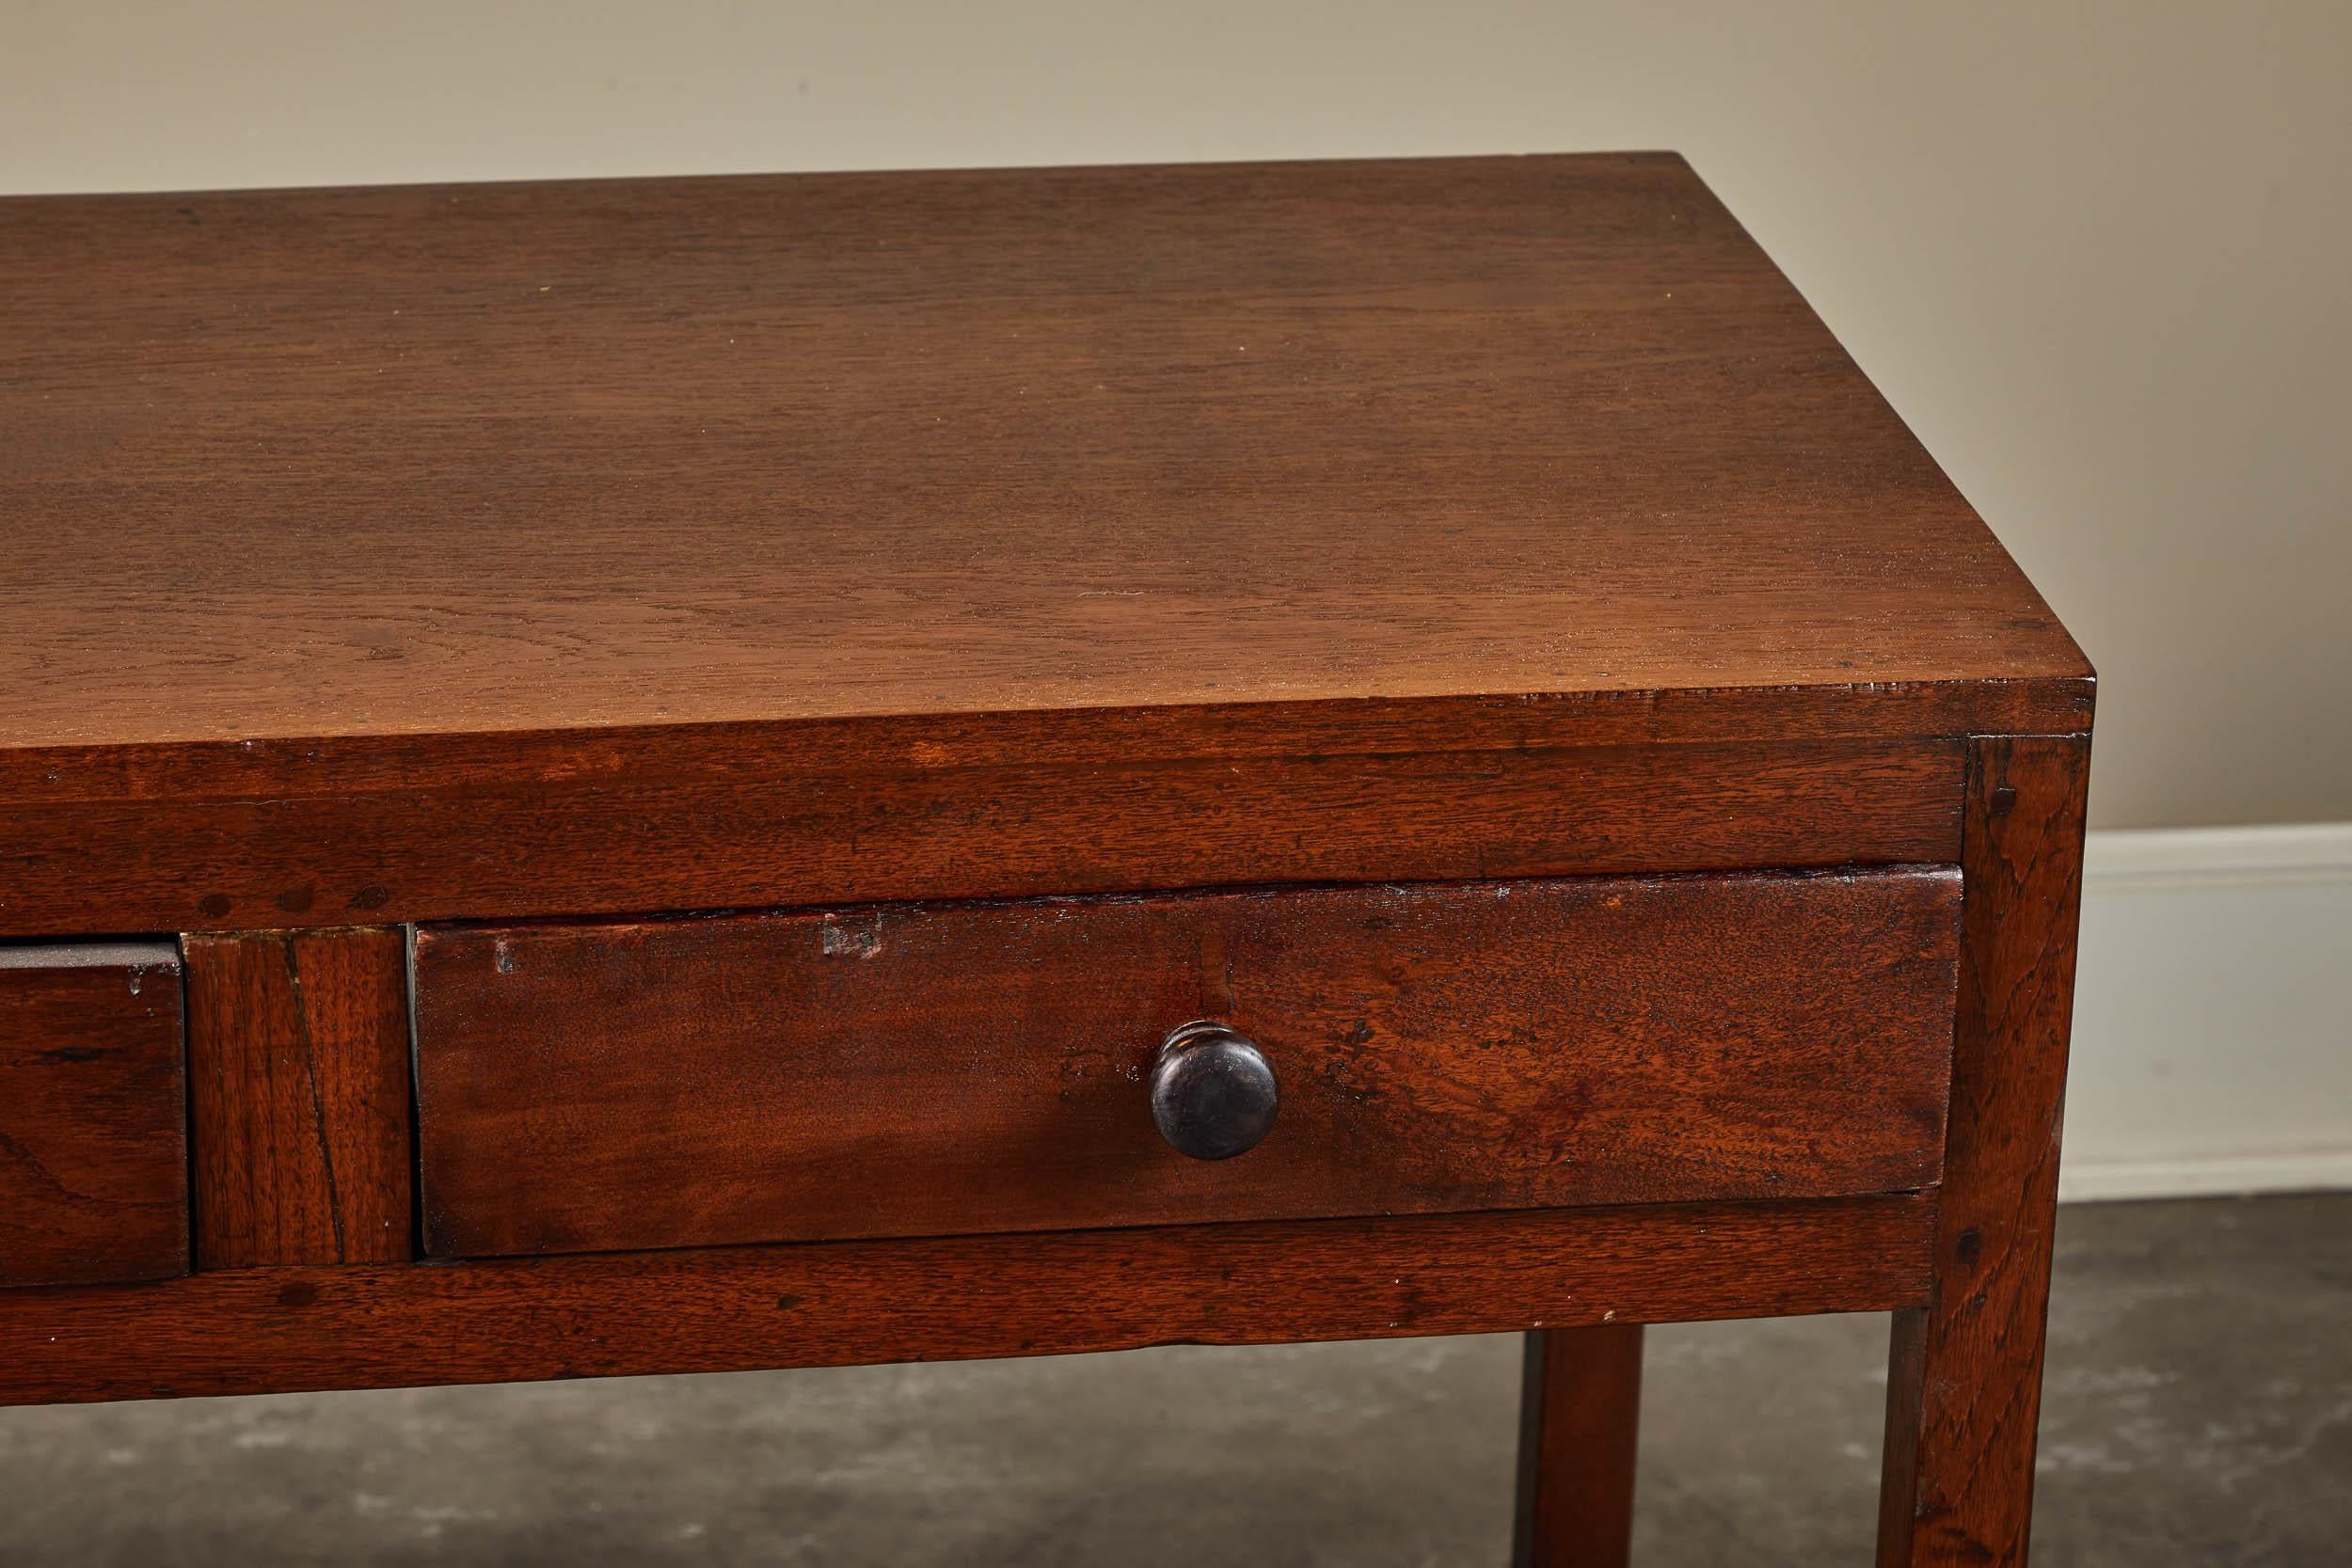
477, 459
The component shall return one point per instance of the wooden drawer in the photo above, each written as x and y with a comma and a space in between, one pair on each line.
923, 1069
93, 1124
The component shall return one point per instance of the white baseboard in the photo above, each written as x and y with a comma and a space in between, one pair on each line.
2213, 1016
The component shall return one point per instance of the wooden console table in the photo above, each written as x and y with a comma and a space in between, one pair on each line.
683, 774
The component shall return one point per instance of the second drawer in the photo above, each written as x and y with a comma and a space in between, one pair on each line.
931, 1069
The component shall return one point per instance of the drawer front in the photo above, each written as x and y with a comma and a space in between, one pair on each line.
931, 1069
93, 1120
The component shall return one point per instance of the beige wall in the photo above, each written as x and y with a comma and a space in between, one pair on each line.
2100, 254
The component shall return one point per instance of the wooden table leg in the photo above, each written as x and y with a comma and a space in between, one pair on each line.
1964, 1392
1579, 1414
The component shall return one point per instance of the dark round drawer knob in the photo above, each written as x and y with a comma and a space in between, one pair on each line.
1213, 1092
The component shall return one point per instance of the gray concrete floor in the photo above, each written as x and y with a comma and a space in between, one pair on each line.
2198, 1412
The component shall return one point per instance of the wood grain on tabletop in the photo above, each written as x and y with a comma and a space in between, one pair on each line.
531, 457
982, 1066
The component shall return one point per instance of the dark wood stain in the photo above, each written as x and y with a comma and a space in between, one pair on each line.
1965, 1385
622, 545
94, 1155
298, 1061
883, 543
641, 453
846, 1303
1579, 1416
923, 1069
576, 828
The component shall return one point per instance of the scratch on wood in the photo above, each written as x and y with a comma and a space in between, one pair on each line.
860, 940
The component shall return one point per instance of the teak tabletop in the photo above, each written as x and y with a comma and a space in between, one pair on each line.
647, 452
419, 601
